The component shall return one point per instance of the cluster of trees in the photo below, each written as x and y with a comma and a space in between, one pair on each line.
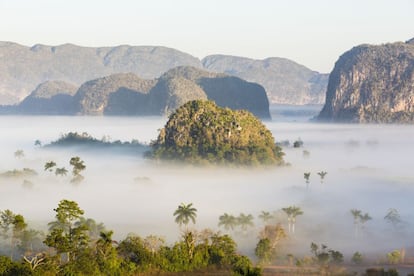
75, 245
200, 132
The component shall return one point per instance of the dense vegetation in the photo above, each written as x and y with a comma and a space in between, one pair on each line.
75, 139
200, 132
75, 245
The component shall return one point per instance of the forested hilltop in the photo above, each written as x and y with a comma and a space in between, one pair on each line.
200, 132
23, 68
372, 84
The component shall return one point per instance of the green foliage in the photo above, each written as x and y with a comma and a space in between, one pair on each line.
185, 213
200, 132
24, 173
357, 258
325, 256
85, 140
394, 257
264, 251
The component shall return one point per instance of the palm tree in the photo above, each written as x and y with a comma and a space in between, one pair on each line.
49, 166
292, 212
322, 174
356, 214
19, 154
227, 221
185, 213
245, 221
306, 175
265, 217
61, 171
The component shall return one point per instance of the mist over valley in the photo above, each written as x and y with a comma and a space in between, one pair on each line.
368, 168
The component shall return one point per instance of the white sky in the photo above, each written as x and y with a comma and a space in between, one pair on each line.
311, 32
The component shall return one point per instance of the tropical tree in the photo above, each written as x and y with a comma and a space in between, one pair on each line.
292, 212
265, 217
185, 213
356, 214
359, 220
322, 174
306, 175
19, 154
78, 166
50, 165
61, 171
227, 221
245, 221
38, 143
393, 218
65, 234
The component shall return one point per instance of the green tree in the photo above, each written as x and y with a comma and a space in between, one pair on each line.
292, 212
19, 154
78, 167
61, 171
322, 174
50, 165
306, 175
245, 221
263, 251
393, 218
265, 217
65, 235
185, 213
227, 221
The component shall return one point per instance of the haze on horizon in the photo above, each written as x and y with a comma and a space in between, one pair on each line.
312, 33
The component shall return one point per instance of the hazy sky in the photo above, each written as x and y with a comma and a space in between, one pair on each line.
311, 32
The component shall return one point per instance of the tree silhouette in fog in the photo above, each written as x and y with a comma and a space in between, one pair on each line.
185, 213
292, 212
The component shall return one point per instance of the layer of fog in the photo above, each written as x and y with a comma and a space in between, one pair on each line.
369, 168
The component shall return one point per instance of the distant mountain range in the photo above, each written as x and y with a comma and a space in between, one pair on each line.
128, 94
23, 68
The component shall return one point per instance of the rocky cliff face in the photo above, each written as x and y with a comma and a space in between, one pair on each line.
285, 81
372, 84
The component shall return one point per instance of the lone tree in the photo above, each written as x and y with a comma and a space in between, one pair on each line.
50, 165
78, 166
185, 213
322, 174
200, 132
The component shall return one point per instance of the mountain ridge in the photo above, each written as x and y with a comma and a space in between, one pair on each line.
24, 67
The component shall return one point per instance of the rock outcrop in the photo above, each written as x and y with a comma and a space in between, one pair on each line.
285, 81
372, 84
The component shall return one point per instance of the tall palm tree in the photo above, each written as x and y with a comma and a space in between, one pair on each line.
245, 221
227, 221
265, 216
292, 212
393, 217
306, 175
322, 174
356, 214
185, 213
